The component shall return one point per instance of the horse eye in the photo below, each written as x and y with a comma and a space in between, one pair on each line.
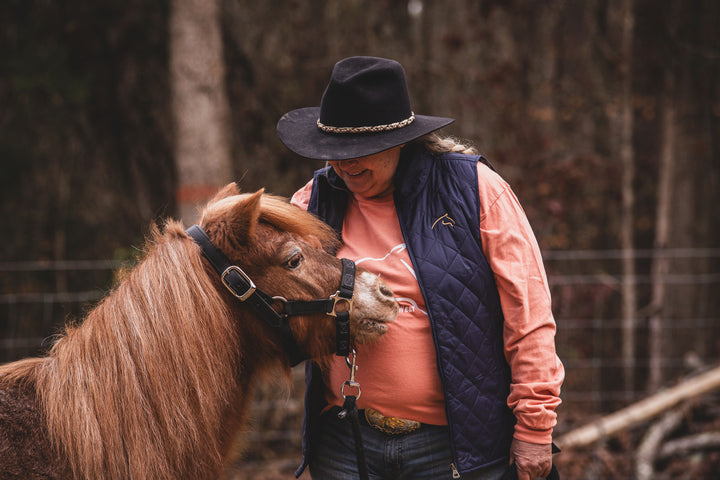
295, 261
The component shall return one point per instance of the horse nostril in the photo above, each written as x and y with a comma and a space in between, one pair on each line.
385, 290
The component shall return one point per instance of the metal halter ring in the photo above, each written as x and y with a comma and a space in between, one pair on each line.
351, 384
337, 299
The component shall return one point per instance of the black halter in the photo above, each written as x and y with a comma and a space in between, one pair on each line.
243, 288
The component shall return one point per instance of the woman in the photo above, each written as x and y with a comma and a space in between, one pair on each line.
466, 380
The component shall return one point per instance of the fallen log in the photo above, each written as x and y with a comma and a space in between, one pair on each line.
641, 411
685, 445
647, 451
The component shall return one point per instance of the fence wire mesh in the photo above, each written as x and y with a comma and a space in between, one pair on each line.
38, 298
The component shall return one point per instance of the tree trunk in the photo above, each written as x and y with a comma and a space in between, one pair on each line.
627, 161
661, 262
541, 54
199, 103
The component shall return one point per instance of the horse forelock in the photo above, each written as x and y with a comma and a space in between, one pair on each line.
279, 213
285, 216
139, 389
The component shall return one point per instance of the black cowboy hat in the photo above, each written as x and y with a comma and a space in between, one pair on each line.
365, 110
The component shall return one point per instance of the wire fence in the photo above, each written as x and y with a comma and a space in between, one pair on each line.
587, 293
38, 297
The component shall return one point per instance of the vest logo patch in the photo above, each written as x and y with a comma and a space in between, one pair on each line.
444, 220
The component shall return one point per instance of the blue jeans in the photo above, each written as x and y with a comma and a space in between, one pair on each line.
421, 455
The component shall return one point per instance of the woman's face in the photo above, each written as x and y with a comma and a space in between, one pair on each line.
370, 176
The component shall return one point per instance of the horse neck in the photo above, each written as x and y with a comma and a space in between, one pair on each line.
143, 388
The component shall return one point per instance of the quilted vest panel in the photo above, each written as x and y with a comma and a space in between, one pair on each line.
437, 204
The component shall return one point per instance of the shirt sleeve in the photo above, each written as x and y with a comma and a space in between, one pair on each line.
301, 198
529, 330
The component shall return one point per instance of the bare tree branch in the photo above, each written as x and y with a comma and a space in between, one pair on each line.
641, 411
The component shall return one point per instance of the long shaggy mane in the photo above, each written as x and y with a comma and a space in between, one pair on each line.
146, 377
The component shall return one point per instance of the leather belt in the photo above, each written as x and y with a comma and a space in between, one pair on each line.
389, 425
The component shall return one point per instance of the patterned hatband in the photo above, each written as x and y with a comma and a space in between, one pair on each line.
374, 128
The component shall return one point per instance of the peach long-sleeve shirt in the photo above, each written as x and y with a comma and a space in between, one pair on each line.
398, 374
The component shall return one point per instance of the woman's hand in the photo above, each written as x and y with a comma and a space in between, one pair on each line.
531, 459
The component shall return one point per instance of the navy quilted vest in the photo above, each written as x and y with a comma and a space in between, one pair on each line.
436, 197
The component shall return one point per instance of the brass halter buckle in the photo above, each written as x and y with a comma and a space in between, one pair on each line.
337, 299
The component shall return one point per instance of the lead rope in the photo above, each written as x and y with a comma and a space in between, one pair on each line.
350, 411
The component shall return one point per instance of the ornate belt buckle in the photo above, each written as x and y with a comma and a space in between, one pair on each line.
390, 425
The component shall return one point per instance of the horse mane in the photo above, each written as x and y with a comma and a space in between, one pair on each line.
146, 378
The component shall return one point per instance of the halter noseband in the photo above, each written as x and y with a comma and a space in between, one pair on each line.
243, 288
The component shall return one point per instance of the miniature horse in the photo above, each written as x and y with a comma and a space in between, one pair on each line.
155, 383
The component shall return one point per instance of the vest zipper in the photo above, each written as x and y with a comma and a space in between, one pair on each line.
433, 330
403, 216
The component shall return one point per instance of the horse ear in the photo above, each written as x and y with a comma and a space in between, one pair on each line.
244, 216
227, 191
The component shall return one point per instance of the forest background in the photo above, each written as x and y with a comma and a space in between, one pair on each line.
604, 116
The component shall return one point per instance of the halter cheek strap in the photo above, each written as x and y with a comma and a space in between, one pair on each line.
243, 288
342, 319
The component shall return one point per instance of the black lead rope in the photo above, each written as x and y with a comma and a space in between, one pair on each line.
350, 411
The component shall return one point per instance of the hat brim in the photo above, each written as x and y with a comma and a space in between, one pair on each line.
299, 132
